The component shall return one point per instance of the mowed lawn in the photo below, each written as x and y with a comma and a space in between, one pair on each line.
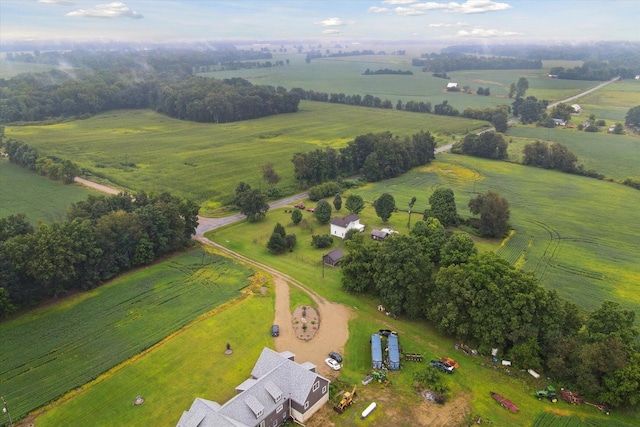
40, 198
48, 352
614, 156
205, 162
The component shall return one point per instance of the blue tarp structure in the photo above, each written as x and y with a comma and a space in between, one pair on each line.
376, 352
394, 353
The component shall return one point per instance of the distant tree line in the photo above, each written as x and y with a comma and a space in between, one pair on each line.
28, 157
593, 70
496, 115
482, 300
555, 156
619, 58
239, 65
101, 237
44, 96
369, 72
375, 156
160, 60
314, 54
438, 63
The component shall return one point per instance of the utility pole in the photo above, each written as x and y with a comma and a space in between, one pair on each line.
323, 266
5, 410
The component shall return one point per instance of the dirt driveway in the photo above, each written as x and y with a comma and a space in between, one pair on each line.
332, 333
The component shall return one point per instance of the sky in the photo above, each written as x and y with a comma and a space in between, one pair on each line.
499, 21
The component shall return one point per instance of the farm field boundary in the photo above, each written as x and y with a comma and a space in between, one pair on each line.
51, 351
140, 149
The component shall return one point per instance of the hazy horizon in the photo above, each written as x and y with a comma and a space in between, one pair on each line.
411, 21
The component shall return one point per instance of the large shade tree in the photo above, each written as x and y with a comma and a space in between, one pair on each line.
494, 213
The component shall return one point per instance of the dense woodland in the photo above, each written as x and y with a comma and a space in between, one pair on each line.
484, 301
101, 237
375, 157
162, 81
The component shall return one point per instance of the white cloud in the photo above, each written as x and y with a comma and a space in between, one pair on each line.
60, 2
109, 11
482, 32
394, 2
407, 11
331, 22
470, 6
376, 9
440, 25
328, 31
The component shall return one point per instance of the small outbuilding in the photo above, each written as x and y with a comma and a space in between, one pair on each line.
394, 353
576, 108
333, 258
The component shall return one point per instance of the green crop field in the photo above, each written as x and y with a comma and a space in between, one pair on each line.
614, 156
40, 198
205, 162
189, 364
549, 419
53, 350
612, 102
579, 235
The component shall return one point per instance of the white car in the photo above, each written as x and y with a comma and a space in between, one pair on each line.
332, 364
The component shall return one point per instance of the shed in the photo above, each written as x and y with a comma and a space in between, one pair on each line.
376, 352
333, 257
394, 353
452, 85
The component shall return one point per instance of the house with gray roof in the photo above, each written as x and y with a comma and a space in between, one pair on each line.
279, 388
340, 226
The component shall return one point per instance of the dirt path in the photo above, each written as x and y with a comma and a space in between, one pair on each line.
96, 186
332, 334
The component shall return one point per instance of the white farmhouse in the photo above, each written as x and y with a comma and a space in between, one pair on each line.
340, 226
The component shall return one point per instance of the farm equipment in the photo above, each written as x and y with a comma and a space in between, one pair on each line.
450, 362
381, 377
441, 366
504, 402
413, 357
346, 401
547, 393
572, 397
300, 205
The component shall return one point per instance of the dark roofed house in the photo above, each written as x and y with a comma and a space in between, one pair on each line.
333, 257
278, 389
380, 235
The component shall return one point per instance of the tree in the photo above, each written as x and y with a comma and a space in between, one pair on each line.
385, 205
358, 264
269, 174
253, 204
562, 111
499, 121
457, 250
530, 110
443, 207
610, 320
411, 203
512, 90
633, 117
279, 229
522, 86
323, 212
14, 225
432, 236
354, 203
296, 217
618, 129
337, 202
277, 243
321, 241
494, 213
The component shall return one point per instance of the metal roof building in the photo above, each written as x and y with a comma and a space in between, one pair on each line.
394, 353
376, 352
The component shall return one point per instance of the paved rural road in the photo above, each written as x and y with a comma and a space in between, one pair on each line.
593, 89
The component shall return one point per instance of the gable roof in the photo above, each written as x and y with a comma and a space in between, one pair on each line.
379, 233
335, 255
345, 220
276, 379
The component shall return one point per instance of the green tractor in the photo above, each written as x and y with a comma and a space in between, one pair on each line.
547, 393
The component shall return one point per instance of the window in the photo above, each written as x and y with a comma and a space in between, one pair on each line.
275, 422
306, 405
279, 409
262, 424
324, 390
316, 385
